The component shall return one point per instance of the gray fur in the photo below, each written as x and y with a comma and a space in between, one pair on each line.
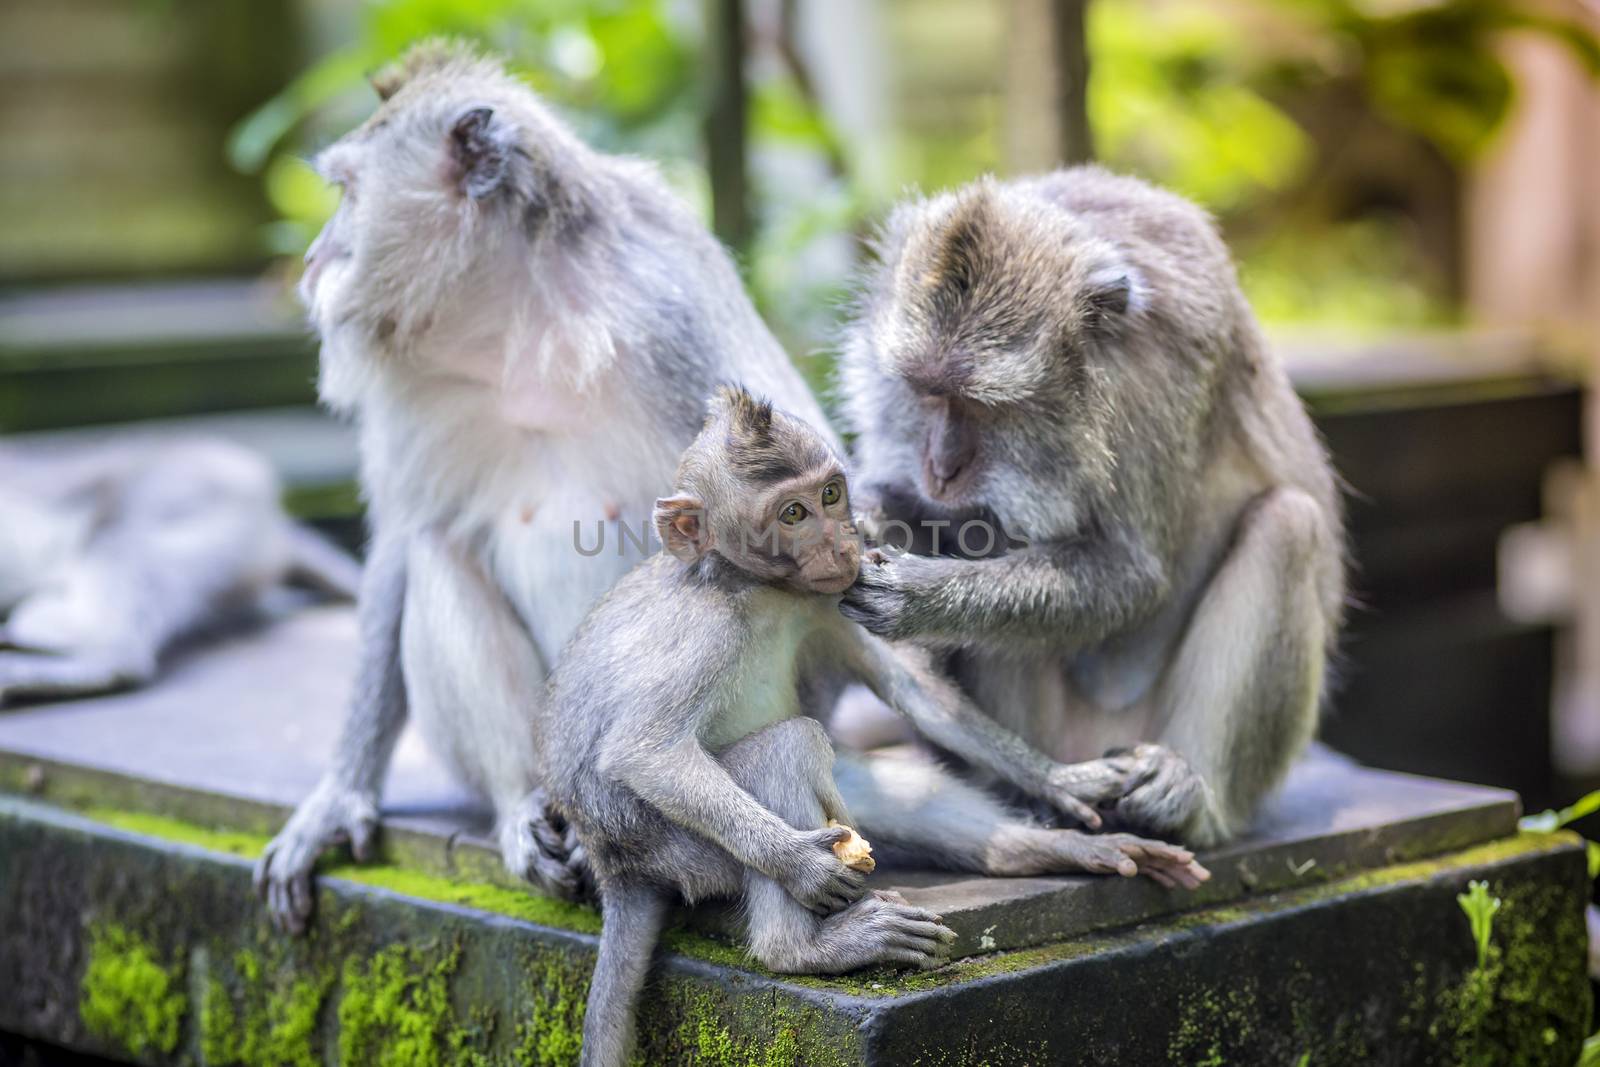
1183, 578
674, 740
114, 550
525, 332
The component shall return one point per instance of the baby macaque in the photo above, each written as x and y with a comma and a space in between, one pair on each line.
113, 550
676, 738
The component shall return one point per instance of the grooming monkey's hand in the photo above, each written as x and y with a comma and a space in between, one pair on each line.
816, 877
538, 845
1077, 789
884, 597
329, 816
1171, 865
1164, 795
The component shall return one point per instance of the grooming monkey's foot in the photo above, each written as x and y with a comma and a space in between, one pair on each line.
536, 844
329, 816
1170, 865
1164, 796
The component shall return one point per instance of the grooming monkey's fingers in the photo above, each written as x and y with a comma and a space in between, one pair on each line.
534, 848
330, 816
1073, 808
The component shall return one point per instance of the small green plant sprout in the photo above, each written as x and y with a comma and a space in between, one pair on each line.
1590, 1056
1548, 822
1480, 908
1304, 1060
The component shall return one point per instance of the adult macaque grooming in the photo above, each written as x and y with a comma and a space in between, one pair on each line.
525, 331
112, 550
675, 741
1070, 357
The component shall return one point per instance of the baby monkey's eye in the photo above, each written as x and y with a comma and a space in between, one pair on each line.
830, 494
792, 514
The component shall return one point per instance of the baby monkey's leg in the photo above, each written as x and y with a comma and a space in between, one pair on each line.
788, 768
921, 809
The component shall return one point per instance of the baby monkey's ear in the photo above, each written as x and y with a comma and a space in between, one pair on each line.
480, 145
680, 523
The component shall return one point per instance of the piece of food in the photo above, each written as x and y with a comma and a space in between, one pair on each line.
853, 851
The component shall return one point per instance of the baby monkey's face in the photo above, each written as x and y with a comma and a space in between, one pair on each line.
803, 530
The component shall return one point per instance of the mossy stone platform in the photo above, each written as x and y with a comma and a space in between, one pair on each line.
128, 927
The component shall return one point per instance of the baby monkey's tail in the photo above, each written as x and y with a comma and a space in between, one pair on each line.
632, 917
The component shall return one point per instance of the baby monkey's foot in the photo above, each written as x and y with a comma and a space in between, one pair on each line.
883, 928
537, 844
1171, 865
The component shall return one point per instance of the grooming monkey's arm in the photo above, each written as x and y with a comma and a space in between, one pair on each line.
378, 707
1075, 591
904, 678
344, 805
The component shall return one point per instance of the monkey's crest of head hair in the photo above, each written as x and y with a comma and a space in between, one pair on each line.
746, 436
434, 57
997, 292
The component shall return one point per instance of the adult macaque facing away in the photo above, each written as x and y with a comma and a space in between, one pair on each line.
112, 550
1070, 357
525, 332
675, 738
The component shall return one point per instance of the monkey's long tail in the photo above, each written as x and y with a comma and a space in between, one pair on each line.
319, 564
632, 918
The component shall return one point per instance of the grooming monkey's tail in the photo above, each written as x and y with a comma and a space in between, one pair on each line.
632, 917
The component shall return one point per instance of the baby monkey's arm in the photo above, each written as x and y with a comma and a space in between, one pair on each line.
678, 777
904, 677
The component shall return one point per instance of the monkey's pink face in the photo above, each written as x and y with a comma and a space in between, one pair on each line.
951, 453
800, 532
329, 260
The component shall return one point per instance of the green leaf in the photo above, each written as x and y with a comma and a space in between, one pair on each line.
1480, 908
254, 138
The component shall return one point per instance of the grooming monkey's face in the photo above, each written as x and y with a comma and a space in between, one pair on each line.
432, 188
763, 490
991, 318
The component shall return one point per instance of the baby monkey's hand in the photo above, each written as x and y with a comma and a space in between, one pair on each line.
817, 878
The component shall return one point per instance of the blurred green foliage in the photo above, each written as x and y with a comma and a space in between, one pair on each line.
620, 69
1227, 101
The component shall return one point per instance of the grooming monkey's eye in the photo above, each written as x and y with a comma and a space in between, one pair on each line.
792, 514
830, 494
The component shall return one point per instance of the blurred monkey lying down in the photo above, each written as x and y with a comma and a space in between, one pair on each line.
112, 550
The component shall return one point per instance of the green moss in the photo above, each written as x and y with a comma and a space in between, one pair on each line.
128, 996
1529, 985
726, 1030
219, 1042
396, 1009
1206, 1018
234, 843
256, 1015
553, 1035
521, 904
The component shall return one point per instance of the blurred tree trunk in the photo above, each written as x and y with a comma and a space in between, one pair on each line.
1047, 80
725, 124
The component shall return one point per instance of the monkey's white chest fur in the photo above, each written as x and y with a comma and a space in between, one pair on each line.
765, 692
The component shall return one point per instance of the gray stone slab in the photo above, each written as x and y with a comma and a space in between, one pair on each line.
239, 730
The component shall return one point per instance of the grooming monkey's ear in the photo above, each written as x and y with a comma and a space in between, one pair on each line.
1110, 292
477, 144
680, 523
